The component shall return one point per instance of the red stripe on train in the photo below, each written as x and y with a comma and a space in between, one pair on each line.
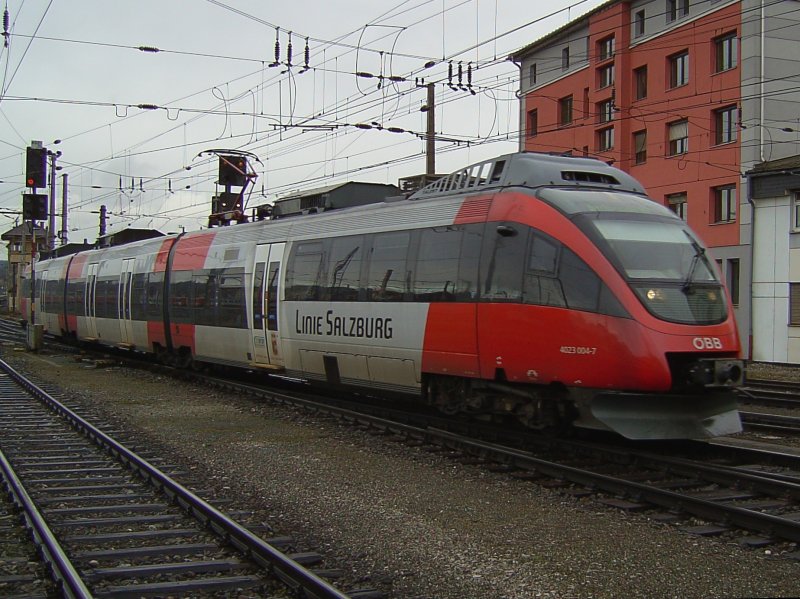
451, 343
474, 210
191, 251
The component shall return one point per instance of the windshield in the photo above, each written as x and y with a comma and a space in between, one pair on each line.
656, 250
664, 263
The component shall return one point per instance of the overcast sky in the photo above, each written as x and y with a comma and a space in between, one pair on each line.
73, 71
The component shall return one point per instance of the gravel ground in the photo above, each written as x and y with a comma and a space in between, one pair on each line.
412, 523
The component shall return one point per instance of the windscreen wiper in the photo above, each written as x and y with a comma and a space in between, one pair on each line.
699, 252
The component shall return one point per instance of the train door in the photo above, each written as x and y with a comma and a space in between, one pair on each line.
41, 297
266, 287
88, 301
124, 303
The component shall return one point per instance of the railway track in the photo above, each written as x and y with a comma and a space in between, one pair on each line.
108, 523
778, 394
749, 494
740, 492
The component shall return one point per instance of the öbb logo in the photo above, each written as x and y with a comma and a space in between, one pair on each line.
707, 343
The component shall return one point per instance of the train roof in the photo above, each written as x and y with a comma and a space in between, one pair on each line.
531, 169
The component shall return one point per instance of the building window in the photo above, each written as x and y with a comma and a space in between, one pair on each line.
679, 69
605, 139
794, 304
725, 204
605, 48
732, 280
565, 111
726, 52
533, 123
638, 24
677, 9
640, 82
565, 58
725, 125
678, 204
532, 74
606, 76
678, 138
796, 210
640, 146
605, 111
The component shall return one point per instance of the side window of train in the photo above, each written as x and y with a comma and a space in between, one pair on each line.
204, 294
105, 297
467, 287
155, 296
436, 276
584, 289
388, 275
139, 296
540, 284
503, 261
344, 268
305, 275
231, 306
181, 296
75, 297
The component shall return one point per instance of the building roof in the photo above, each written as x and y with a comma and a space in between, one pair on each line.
18, 231
542, 41
329, 188
781, 164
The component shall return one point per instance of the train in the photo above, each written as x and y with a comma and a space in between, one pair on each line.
541, 289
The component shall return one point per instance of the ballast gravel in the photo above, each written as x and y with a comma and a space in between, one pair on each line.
413, 523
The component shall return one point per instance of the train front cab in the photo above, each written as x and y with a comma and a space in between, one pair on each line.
679, 353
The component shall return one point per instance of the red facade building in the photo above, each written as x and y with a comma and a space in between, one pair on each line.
659, 89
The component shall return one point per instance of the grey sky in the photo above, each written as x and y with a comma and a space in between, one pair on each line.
82, 78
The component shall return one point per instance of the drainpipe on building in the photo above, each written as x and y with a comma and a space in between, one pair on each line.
761, 85
752, 263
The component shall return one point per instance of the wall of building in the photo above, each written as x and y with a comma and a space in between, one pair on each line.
770, 284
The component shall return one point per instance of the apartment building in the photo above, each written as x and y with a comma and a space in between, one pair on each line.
687, 96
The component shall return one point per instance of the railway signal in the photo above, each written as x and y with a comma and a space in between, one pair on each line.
233, 171
34, 206
36, 167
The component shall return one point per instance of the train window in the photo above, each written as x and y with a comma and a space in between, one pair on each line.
388, 275
272, 295
543, 255
504, 261
105, 297
231, 308
139, 297
467, 286
75, 298
344, 268
258, 296
155, 301
181, 296
305, 275
437, 264
203, 307
581, 285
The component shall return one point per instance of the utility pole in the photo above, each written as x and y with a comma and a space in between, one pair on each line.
430, 147
102, 220
51, 222
64, 229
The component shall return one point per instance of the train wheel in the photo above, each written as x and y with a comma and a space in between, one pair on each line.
448, 395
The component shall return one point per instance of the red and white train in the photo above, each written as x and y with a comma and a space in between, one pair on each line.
547, 288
